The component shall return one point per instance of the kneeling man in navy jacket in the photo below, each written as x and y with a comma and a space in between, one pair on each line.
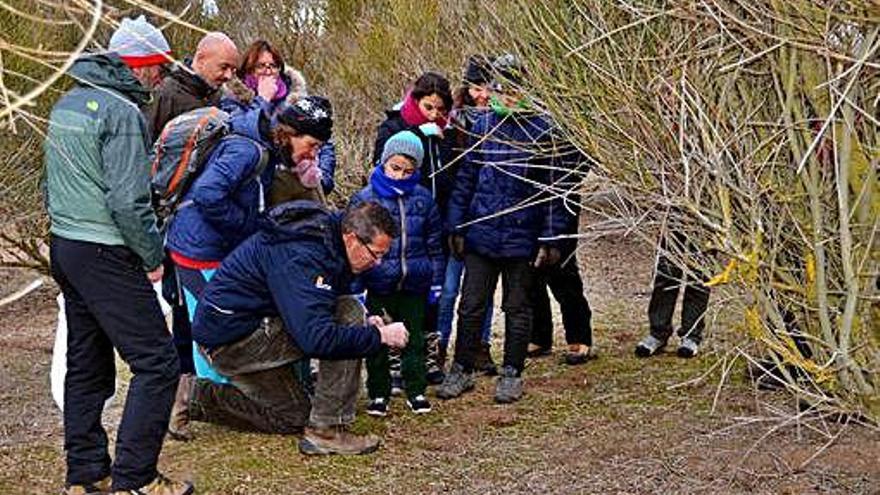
283, 296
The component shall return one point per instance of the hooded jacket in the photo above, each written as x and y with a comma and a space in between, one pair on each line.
239, 97
97, 173
221, 208
294, 267
181, 91
506, 172
415, 261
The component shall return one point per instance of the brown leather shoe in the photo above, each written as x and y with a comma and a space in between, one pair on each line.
178, 426
578, 354
161, 486
336, 440
101, 487
534, 351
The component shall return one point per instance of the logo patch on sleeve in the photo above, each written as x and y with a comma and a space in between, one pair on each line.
319, 283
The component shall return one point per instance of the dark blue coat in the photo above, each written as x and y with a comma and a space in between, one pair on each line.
294, 267
415, 261
221, 208
507, 170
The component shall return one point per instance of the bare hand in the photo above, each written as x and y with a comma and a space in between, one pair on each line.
394, 335
267, 86
375, 320
156, 275
456, 245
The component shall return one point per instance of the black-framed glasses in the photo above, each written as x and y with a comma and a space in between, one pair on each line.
376, 258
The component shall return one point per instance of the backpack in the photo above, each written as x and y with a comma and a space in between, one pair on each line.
181, 152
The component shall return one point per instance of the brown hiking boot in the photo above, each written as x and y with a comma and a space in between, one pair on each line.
101, 487
161, 486
336, 440
536, 351
178, 426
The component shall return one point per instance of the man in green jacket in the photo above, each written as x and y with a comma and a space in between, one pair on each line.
105, 250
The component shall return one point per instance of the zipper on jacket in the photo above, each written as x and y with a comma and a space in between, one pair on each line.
433, 169
402, 243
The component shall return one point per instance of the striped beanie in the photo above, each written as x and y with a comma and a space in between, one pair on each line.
139, 44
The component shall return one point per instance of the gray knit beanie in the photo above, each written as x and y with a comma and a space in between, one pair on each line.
404, 143
139, 44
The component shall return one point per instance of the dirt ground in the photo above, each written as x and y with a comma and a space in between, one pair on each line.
616, 425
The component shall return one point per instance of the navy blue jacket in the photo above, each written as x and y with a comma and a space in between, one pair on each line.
294, 267
221, 208
507, 170
415, 261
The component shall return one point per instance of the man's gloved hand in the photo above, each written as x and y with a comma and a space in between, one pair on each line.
394, 335
431, 129
547, 256
434, 294
456, 246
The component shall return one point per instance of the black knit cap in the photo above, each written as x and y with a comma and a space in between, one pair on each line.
312, 115
478, 70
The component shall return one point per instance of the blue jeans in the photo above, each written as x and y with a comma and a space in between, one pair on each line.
446, 306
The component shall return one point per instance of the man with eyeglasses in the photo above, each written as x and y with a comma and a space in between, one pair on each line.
283, 296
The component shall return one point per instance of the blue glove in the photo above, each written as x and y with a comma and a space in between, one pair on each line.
434, 294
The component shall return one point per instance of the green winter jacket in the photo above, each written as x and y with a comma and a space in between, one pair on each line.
97, 171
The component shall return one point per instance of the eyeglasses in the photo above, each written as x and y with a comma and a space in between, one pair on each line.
376, 258
266, 66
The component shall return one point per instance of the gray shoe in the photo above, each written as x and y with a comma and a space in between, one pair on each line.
457, 382
509, 387
688, 348
649, 346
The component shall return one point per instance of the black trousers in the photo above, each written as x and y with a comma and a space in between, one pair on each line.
564, 279
110, 304
517, 285
668, 280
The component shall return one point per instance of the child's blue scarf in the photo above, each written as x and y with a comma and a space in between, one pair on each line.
387, 187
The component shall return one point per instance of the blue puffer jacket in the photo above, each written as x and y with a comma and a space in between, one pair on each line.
221, 208
294, 267
508, 170
415, 261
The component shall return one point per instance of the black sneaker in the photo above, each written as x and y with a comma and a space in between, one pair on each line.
509, 387
378, 407
419, 404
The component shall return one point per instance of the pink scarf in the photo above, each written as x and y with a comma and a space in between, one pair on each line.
413, 116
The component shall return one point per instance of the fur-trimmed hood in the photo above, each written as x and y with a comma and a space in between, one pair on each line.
236, 90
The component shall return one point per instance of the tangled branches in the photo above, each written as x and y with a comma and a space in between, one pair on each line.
752, 128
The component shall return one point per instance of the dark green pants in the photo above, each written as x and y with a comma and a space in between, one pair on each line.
409, 309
